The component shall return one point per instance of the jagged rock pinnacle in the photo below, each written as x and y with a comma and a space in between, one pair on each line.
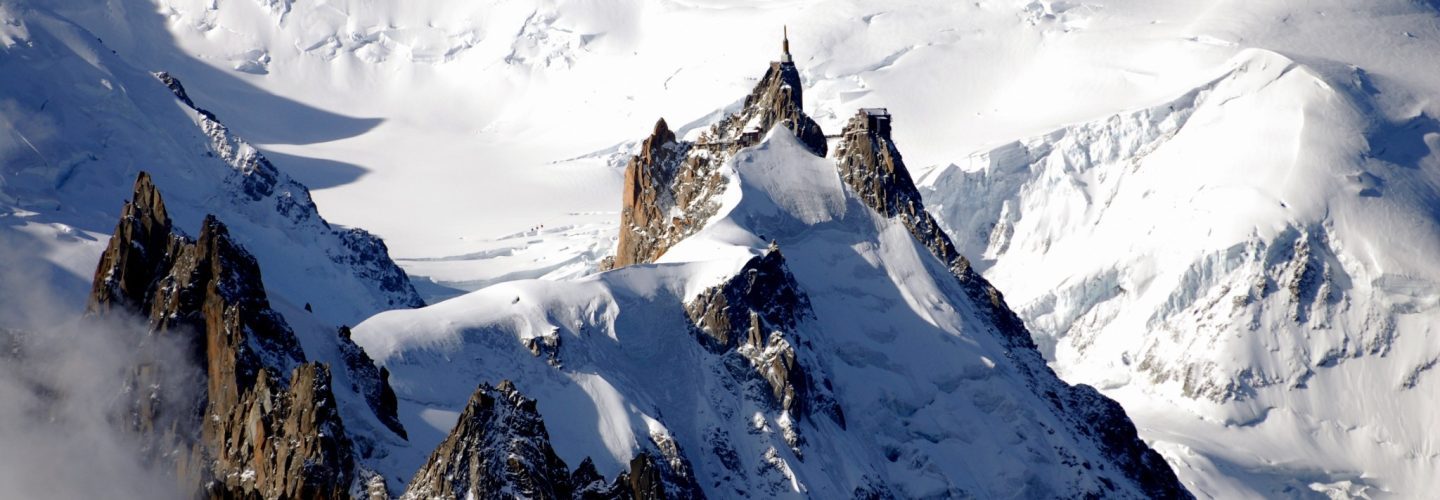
134, 256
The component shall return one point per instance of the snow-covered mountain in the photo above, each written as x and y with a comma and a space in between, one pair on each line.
1218, 213
801, 330
82, 123
709, 363
1248, 267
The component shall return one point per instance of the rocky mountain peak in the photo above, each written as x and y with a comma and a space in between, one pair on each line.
499, 448
872, 166
778, 99
266, 425
671, 186
134, 257
649, 189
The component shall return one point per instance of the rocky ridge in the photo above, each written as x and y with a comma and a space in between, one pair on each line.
873, 168
672, 186
499, 448
256, 420
264, 424
871, 165
260, 183
750, 315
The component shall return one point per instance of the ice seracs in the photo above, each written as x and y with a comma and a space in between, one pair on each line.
1254, 306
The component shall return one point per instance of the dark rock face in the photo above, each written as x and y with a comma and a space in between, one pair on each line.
777, 99
371, 381
498, 449
1104, 419
669, 176
590, 485
136, 255
872, 166
266, 425
749, 315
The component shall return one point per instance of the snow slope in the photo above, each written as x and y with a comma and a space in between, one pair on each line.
1248, 268
82, 123
917, 368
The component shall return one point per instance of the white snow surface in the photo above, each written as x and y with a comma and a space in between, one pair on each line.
1249, 268
78, 125
933, 403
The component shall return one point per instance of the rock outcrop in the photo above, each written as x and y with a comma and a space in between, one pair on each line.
137, 254
776, 100
872, 167
750, 315
672, 186
281, 441
500, 449
371, 381
265, 424
652, 191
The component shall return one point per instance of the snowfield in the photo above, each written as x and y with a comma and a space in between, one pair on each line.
1223, 214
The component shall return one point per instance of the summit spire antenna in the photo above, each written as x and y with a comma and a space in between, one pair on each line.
785, 44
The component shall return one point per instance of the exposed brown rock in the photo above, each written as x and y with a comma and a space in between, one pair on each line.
749, 315
672, 187
644, 479
657, 181
264, 424
282, 442
136, 255
872, 166
499, 448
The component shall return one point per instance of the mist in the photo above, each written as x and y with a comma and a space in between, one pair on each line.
63, 394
